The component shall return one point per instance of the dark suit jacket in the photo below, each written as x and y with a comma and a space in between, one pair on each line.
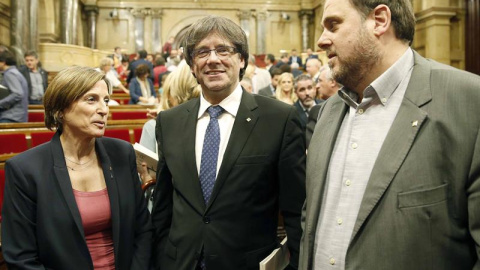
42, 227
263, 169
420, 207
301, 112
299, 61
136, 91
135, 64
266, 91
26, 73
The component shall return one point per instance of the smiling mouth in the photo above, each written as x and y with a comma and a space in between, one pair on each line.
214, 72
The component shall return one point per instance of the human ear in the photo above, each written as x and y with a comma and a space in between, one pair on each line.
383, 19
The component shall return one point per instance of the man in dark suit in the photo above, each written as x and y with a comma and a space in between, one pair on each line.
393, 169
269, 91
142, 59
37, 78
305, 91
228, 162
294, 58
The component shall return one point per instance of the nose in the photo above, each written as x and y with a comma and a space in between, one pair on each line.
213, 57
324, 41
103, 108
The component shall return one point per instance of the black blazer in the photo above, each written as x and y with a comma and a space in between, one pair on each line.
41, 226
263, 170
26, 73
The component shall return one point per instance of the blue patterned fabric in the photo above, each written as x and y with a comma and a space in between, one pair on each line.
208, 165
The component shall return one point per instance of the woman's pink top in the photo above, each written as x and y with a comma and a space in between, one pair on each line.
96, 216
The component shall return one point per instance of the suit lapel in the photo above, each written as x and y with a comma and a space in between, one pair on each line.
112, 188
399, 140
245, 121
318, 156
63, 179
189, 121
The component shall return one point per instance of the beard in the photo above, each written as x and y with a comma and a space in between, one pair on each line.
352, 69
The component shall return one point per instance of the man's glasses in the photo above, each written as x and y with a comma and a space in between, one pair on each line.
222, 52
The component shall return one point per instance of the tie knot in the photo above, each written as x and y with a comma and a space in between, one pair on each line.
214, 111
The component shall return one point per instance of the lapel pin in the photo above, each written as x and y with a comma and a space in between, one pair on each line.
415, 123
249, 119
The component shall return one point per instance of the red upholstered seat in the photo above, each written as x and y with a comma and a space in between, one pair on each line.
138, 134
12, 143
41, 137
36, 116
129, 115
122, 134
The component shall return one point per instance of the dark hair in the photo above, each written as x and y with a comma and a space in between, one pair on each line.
275, 71
117, 48
403, 18
221, 26
285, 68
142, 70
159, 61
8, 58
142, 54
301, 77
271, 57
31, 53
67, 87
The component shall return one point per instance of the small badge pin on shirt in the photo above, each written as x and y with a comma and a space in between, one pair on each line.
249, 119
415, 123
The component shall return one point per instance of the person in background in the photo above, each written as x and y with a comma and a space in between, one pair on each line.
259, 77
306, 95
269, 62
327, 85
75, 202
158, 69
285, 91
141, 87
13, 107
313, 66
167, 47
37, 77
393, 170
106, 67
117, 57
253, 143
269, 91
294, 58
295, 70
246, 83
142, 60
123, 70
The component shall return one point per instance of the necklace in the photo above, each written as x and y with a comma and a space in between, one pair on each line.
78, 163
80, 166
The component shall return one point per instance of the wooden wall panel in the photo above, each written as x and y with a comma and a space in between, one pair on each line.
472, 35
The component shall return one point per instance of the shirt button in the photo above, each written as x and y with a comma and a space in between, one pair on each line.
384, 100
360, 111
348, 182
339, 221
332, 261
354, 145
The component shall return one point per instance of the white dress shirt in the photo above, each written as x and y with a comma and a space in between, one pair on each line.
225, 121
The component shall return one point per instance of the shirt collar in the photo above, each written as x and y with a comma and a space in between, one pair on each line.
230, 104
385, 85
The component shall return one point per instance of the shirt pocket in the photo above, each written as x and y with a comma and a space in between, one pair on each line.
424, 197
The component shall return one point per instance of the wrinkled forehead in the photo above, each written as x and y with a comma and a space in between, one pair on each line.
214, 39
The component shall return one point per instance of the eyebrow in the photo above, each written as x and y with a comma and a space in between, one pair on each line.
331, 18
